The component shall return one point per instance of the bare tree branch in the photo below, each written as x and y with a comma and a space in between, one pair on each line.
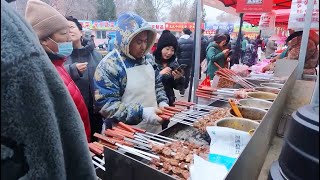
180, 12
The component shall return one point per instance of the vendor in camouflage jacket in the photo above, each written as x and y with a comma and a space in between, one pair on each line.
128, 86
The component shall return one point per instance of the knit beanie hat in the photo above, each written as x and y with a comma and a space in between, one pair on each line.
167, 39
44, 19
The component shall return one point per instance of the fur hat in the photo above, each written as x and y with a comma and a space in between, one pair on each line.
44, 19
167, 39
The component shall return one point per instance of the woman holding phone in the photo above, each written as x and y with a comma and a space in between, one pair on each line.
216, 52
170, 70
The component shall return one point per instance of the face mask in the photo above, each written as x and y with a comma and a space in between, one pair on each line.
64, 49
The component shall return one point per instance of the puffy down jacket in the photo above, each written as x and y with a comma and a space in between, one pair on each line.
75, 94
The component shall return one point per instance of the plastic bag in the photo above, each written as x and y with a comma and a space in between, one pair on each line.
204, 66
241, 70
257, 68
204, 170
226, 145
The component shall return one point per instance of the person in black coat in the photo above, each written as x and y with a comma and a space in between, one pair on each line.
81, 65
203, 52
165, 57
185, 55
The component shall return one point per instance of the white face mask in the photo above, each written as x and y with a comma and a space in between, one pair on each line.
64, 49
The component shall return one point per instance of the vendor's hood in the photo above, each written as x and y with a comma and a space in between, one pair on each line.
128, 26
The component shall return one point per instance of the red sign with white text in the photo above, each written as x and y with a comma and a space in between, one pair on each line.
159, 26
179, 26
254, 6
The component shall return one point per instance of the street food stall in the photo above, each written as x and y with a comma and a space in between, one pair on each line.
125, 152
137, 160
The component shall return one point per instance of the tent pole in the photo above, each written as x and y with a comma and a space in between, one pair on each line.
237, 54
315, 96
197, 50
305, 37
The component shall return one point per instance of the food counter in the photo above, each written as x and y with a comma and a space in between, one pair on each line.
251, 160
248, 165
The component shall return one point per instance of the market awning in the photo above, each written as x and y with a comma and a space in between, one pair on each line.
282, 17
277, 4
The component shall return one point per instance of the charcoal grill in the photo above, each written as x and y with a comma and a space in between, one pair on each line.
129, 167
123, 166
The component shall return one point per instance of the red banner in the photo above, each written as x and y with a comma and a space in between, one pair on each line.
254, 6
178, 26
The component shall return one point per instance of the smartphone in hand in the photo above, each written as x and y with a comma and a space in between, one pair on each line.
182, 67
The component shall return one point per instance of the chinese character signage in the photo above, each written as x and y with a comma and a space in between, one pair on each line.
254, 6
98, 25
179, 26
267, 24
216, 26
159, 26
298, 13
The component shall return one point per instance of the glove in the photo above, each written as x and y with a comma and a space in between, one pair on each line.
150, 115
163, 104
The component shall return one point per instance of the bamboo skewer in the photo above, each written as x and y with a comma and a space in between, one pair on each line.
128, 149
210, 96
232, 75
155, 138
149, 140
234, 79
243, 79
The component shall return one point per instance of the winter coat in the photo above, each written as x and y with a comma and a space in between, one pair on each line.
110, 77
42, 135
204, 44
214, 54
185, 50
169, 82
270, 48
84, 81
250, 55
74, 92
244, 44
312, 56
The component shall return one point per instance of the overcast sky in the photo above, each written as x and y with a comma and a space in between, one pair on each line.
212, 13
